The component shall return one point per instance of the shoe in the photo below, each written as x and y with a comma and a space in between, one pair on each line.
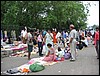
41, 55
72, 60
29, 58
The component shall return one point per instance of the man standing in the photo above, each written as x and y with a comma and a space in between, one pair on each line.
29, 43
72, 41
96, 41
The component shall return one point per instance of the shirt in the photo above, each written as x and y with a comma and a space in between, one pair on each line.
49, 38
29, 37
73, 34
96, 37
51, 50
60, 53
58, 35
40, 38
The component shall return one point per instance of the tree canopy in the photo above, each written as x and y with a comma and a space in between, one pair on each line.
43, 14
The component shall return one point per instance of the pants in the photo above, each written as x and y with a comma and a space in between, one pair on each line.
40, 47
73, 49
30, 48
97, 48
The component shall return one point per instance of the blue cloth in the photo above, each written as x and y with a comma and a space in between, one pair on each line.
64, 35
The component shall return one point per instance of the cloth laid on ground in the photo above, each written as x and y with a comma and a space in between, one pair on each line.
24, 69
49, 63
13, 48
6, 46
19, 47
17, 42
6, 52
19, 55
24, 66
19, 73
36, 60
22, 54
40, 61
14, 71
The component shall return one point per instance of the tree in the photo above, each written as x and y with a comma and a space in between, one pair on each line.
44, 14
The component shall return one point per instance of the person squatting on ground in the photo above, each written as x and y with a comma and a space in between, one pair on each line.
51, 56
72, 41
60, 54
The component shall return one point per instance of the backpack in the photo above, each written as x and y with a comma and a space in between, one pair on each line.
67, 55
36, 67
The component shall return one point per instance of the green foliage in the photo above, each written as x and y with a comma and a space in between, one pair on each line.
44, 14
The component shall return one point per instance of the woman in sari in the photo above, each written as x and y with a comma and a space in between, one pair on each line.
51, 56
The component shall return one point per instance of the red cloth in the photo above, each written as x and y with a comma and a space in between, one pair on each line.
16, 48
54, 37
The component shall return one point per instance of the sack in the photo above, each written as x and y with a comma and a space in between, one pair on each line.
36, 67
67, 55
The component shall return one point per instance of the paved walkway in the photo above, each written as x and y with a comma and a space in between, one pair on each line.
86, 64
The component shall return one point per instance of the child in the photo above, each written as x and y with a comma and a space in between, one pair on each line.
60, 54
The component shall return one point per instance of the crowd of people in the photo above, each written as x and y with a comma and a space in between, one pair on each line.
73, 40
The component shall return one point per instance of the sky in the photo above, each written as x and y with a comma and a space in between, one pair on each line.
94, 13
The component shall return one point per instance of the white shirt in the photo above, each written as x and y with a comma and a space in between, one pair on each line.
48, 37
60, 53
29, 36
24, 33
73, 34
58, 35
